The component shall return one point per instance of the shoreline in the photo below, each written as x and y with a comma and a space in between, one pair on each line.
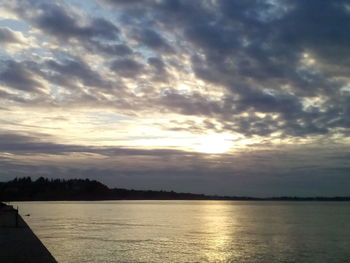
18, 243
224, 200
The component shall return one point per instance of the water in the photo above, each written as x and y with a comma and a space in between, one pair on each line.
192, 231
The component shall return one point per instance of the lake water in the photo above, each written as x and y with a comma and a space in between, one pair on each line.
192, 231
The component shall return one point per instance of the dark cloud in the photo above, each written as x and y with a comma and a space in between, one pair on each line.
127, 68
152, 39
61, 22
125, 2
253, 49
74, 69
114, 49
269, 69
58, 22
295, 169
286, 104
17, 76
216, 37
194, 104
156, 63
11, 97
8, 36
159, 70
24, 144
27, 144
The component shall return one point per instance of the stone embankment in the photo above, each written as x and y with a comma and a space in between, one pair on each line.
18, 243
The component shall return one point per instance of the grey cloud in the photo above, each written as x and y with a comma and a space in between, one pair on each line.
194, 104
295, 171
185, 13
252, 125
125, 2
24, 144
215, 37
263, 102
127, 68
11, 97
8, 36
258, 45
114, 49
59, 23
157, 63
190, 126
17, 76
254, 49
27, 144
159, 68
152, 39
75, 68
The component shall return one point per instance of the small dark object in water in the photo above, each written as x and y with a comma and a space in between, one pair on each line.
27, 215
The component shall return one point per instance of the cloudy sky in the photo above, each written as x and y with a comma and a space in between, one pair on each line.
207, 96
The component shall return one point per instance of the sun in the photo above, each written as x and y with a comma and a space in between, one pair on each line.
214, 144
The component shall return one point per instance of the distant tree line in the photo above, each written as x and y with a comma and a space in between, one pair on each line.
52, 189
43, 189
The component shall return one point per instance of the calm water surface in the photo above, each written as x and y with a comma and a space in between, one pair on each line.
192, 231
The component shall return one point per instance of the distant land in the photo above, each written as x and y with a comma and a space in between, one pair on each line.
43, 189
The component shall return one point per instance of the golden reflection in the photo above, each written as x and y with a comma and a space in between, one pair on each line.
217, 223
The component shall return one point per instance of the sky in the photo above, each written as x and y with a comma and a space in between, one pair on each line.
224, 97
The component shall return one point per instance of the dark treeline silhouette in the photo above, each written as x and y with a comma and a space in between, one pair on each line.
43, 189
24, 189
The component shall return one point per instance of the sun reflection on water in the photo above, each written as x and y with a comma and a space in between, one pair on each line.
217, 222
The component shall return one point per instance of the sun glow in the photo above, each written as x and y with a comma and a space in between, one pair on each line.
214, 144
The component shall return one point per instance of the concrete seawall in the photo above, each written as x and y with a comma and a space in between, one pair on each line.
18, 243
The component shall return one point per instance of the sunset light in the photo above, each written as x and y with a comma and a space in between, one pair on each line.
214, 144
142, 93
166, 130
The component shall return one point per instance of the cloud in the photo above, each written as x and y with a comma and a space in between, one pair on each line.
296, 168
74, 69
62, 23
24, 144
189, 105
254, 49
156, 63
124, 2
152, 39
115, 49
18, 77
160, 73
29, 144
263, 58
9, 36
65, 24
268, 72
127, 68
